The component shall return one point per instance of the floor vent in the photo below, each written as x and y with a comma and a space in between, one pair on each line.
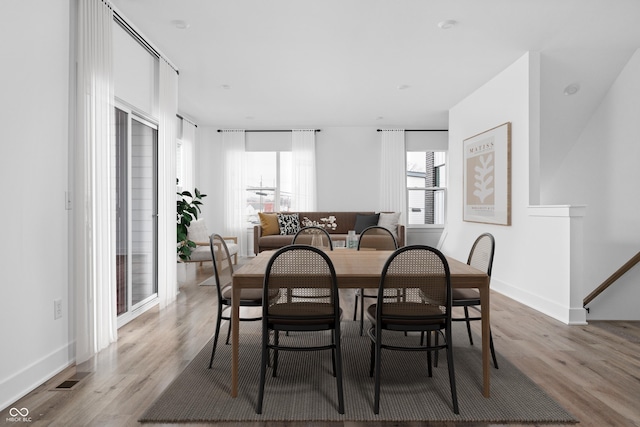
67, 384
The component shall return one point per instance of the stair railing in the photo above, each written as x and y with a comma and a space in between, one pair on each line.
615, 276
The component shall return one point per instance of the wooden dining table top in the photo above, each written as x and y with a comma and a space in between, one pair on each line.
358, 269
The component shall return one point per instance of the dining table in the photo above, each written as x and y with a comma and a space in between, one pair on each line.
357, 269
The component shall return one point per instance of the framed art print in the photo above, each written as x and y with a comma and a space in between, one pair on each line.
487, 176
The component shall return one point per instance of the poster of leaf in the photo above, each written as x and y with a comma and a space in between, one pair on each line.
487, 176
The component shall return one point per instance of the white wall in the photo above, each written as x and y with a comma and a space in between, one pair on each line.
601, 171
533, 260
135, 73
34, 81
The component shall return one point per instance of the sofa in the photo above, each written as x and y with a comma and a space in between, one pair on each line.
278, 229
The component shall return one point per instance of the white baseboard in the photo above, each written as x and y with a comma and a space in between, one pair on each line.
22, 383
566, 315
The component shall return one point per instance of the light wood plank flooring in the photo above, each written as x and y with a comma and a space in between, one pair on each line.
593, 371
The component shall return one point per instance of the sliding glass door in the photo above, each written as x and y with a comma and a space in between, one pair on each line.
136, 220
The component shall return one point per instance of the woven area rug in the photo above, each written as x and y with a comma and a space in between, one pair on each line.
305, 389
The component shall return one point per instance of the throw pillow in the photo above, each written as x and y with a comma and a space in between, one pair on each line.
269, 223
364, 221
289, 223
390, 222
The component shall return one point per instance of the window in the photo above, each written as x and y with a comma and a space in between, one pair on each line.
426, 186
269, 184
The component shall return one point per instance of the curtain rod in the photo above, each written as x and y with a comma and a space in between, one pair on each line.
136, 35
270, 130
186, 120
420, 130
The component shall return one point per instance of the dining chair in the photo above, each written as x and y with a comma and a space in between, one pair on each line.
248, 297
319, 238
372, 238
313, 236
304, 268
480, 257
422, 274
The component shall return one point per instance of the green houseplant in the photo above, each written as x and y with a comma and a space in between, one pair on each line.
188, 208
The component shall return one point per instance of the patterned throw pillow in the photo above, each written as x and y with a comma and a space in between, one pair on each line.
289, 223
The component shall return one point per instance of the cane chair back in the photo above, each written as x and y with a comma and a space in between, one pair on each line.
313, 236
377, 238
373, 238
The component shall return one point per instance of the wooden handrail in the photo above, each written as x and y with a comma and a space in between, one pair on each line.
615, 276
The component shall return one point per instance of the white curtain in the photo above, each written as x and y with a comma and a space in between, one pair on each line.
393, 180
234, 186
94, 219
187, 141
303, 159
167, 136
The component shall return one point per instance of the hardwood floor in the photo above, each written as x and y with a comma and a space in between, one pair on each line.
593, 371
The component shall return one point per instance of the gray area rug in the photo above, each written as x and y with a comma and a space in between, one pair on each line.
305, 389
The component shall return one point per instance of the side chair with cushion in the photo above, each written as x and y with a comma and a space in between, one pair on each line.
198, 233
422, 274
372, 238
248, 297
480, 257
304, 268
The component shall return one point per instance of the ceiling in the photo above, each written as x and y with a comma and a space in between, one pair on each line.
260, 64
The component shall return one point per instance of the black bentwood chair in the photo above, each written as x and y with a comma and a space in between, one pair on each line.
305, 269
372, 238
313, 236
422, 274
480, 257
248, 297
317, 237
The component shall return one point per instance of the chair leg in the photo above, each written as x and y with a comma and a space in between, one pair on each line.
429, 361
452, 375
333, 352
493, 351
466, 316
263, 368
437, 341
338, 372
276, 340
372, 358
228, 333
361, 311
215, 335
376, 399
355, 307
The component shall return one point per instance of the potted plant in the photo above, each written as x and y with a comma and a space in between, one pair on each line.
188, 208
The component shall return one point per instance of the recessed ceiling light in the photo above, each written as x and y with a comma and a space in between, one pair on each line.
403, 87
445, 25
572, 89
180, 24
